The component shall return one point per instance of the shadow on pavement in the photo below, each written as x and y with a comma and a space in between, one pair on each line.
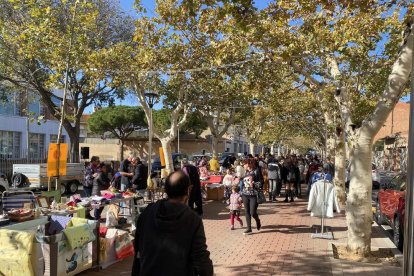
310, 263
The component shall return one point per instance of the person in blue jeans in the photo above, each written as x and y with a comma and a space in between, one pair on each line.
100, 183
91, 172
249, 195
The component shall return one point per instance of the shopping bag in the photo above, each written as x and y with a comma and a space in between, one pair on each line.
124, 246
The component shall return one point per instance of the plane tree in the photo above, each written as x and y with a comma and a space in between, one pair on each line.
41, 40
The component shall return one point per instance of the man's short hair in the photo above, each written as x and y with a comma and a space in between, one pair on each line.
94, 158
176, 184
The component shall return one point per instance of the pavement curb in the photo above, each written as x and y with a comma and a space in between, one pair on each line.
397, 255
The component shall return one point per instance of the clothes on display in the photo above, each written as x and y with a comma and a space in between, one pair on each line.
79, 235
58, 224
64, 245
16, 253
317, 199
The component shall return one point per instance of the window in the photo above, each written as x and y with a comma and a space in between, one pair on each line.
37, 145
53, 138
34, 109
9, 144
8, 104
56, 101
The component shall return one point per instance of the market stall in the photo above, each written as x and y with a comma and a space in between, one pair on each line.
213, 188
58, 239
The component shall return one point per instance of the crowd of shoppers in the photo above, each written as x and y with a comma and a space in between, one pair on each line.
246, 178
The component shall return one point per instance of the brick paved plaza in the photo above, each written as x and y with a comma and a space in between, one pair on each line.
283, 247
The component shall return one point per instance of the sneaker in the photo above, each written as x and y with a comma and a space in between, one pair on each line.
291, 200
247, 232
232, 227
259, 226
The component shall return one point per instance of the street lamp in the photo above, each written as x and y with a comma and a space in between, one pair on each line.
151, 98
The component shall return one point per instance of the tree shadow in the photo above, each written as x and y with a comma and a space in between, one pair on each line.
310, 263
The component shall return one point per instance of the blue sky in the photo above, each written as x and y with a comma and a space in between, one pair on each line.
149, 5
128, 5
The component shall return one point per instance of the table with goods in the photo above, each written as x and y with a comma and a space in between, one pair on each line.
38, 238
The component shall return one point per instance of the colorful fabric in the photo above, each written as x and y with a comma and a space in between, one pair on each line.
235, 202
78, 235
228, 180
78, 221
79, 232
57, 224
81, 212
16, 248
102, 231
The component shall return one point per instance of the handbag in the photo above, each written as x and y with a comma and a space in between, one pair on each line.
261, 197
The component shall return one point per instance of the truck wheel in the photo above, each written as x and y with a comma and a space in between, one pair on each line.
72, 187
62, 189
19, 179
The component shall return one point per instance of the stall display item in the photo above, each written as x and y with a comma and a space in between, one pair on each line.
19, 215
69, 257
215, 192
4, 220
116, 245
17, 255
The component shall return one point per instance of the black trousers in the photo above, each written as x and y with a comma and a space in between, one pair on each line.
250, 204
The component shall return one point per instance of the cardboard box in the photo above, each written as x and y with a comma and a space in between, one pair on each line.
215, 193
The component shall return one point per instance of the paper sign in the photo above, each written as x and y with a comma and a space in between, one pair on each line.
52, 158
162, 158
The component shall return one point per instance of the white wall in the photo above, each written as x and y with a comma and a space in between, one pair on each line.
19, 124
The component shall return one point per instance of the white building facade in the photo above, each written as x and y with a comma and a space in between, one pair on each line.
24, 137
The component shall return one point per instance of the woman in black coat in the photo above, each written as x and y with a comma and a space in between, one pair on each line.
100, 183
249, 194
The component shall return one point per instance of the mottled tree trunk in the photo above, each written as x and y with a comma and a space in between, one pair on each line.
214, 145
358, 207
340, 167
251, 148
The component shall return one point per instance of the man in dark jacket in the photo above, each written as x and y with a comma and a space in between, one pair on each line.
170, 238
91, 172
139, 180
195, 195
125, 171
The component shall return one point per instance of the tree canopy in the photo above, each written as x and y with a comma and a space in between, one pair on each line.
120, 121
34, 43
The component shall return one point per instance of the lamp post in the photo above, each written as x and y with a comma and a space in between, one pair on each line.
151, 98
408, 249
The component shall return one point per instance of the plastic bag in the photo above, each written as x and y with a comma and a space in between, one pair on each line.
111, 219
123, 245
